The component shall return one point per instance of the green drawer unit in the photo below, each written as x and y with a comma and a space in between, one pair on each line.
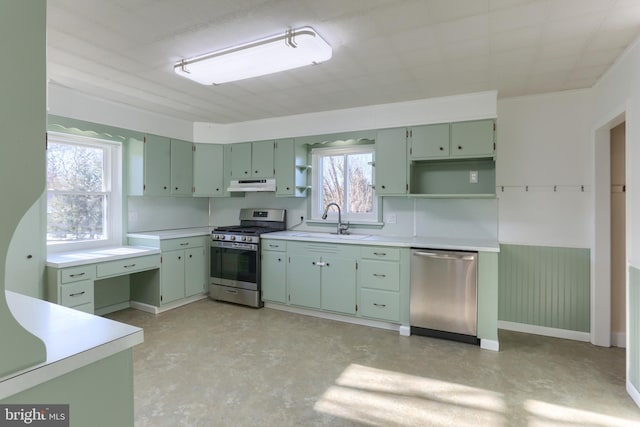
76, 274
385, 253
77, 293
379, 275
377, 304
274, 245
182, 243
126, 266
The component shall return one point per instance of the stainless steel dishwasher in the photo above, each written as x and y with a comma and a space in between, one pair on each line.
444, 301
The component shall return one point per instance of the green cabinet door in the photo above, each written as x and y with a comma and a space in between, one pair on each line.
429, 142
473, 139
303, 280
157, 164
195, 271
391, 162
274, 276
208, 170
181, 168
240, 160
339, 285
172, 276
285, 167
262, 159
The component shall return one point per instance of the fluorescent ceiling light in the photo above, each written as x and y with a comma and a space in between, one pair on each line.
293, 49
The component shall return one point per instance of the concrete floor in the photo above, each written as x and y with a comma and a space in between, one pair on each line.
216, 364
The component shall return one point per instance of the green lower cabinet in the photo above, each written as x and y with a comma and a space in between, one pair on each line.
195, 268
172, 276
338, 282
303, 281
274, 276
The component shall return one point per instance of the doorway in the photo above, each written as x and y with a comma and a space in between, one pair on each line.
618, 239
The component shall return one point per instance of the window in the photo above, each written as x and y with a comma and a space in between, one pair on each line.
344, 176
83, 192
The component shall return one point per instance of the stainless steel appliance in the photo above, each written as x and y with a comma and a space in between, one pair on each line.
443, 300
235, 256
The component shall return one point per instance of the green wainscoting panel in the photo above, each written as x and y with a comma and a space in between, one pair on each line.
99, 394
545, 286
633, 334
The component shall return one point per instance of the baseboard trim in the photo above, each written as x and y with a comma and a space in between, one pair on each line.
544, 330
339, 317
170, 306
492, 345
111, 308
633, 392
619, 339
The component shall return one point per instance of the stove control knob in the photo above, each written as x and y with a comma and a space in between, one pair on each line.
246, 239
221, 237
232, 237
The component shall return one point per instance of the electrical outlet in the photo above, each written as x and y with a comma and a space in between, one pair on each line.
392, 219
473, 177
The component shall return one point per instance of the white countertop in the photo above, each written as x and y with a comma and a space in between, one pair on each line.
172, 234
73, 339
400, 241
90, 256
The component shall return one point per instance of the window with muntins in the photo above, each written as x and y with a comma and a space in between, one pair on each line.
344, 176
83, 192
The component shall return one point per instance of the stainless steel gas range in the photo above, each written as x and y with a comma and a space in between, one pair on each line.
235, 256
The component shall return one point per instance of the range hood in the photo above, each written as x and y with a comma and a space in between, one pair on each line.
252, 185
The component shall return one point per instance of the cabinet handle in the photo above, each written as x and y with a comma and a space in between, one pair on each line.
176, 188
246, 172
379, 275
77, 275
273, 246
288, 188
179, 257
129, 266
190, 255
217, 189
29, 256
379, 305
231, 291
165, 187
380, 253
77, 294
279, 259
459, 147
441, 148
383, 187
255, 172
184, 244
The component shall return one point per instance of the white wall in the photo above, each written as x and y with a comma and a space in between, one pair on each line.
472, 106
543, 142
167, 213
65, 102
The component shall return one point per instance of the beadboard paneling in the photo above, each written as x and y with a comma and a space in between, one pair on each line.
545, 286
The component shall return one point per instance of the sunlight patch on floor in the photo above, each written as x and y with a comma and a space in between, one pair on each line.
380, 398
549, 414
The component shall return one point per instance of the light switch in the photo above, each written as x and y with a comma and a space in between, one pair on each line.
473, 177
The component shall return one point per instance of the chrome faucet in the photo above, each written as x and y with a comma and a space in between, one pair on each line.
342, 228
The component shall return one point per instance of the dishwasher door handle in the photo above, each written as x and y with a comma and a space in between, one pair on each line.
444, 256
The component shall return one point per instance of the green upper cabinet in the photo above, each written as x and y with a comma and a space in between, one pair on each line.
252, 159
428, 142
181, 168
262, 159
391, 162
159, 166
208, 171
473, 139
156, 167
290, 168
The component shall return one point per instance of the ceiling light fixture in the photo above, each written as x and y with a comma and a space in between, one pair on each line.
293, 49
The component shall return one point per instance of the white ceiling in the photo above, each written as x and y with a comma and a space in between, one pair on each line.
383, 50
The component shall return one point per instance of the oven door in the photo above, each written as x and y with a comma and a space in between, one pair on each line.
235, 264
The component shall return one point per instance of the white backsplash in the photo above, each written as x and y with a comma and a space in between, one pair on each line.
166, 213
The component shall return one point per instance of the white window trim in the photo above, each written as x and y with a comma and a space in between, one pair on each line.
113, 177
316, 200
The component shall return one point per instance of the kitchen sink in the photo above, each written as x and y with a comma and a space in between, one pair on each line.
333, 236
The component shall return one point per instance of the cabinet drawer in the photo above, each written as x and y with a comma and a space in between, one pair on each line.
76, 293
274, 245
379, 275
75, 274
128, 265
380, 304
380, 252
182, 243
